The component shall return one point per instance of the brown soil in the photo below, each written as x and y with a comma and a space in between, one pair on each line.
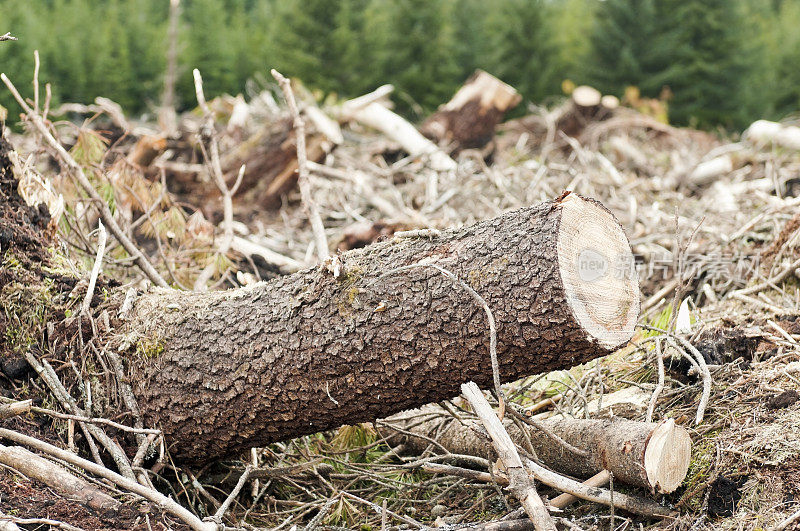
23, 229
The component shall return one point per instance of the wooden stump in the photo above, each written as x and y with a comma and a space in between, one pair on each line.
469, 119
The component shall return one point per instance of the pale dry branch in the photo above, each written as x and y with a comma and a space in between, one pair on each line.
168, 504
309, 205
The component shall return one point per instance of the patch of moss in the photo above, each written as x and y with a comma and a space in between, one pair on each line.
703, 453
25, 309
477, 278
150, 348
348, 301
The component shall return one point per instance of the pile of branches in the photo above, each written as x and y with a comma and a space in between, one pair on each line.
247, 189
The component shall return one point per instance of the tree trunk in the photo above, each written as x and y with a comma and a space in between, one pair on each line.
224, 371
469, 119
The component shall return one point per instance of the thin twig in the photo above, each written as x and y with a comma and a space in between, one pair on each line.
7, 37
102, 235
660, 387
309, 205
701, 365
209, 132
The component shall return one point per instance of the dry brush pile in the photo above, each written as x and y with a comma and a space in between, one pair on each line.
246, 189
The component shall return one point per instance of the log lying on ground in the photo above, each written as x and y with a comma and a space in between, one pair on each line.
654, 456
469, 119
222, 372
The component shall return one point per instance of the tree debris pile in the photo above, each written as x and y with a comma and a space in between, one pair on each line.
708, 382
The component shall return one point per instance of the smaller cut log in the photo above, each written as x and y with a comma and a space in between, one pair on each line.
650, 455
469, 119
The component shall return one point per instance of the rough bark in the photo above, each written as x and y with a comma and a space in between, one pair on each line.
469, 119
221, 372
617, 445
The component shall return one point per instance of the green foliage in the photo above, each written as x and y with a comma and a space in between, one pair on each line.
633, 43
413, 46
521, 50
711, 63
693, 49
719, 69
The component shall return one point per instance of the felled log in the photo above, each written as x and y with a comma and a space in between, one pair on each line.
654, 456
469, 119
221, 372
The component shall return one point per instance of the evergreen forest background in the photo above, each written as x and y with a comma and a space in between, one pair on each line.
720, 63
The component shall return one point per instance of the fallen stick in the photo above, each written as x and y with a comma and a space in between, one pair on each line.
396, 128
519, 481
52, 475
168, 504
16, 408
562, 501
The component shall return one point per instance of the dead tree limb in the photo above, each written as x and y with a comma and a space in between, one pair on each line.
520, 482
56, 477
225, 371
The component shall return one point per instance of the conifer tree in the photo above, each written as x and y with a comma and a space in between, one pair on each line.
633, 42
303, 36
415, 47
711, 61
521, 52
209, 45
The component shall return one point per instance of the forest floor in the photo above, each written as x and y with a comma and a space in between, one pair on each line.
723, 244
